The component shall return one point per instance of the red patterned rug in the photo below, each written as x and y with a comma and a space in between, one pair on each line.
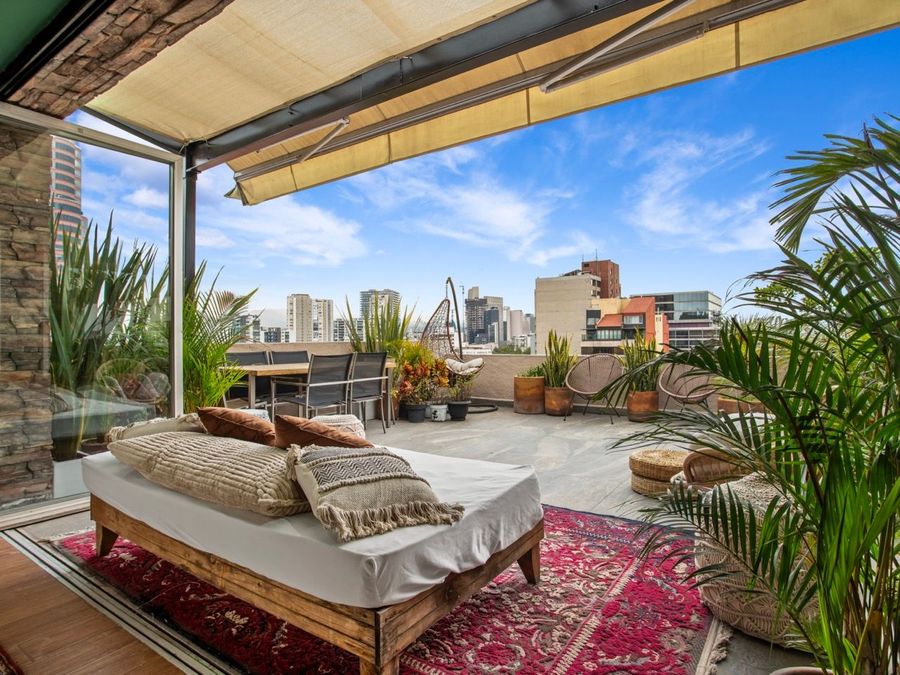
597, 609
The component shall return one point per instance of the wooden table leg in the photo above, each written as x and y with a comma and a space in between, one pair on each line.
531, 564
104, 541
392, 667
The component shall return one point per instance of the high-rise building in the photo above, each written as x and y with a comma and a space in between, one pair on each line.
517, 325
608, 272
275, 334
300, 317
368, 298
484, 318
691, 314
65, 190
560, 304
323, 320
247, 325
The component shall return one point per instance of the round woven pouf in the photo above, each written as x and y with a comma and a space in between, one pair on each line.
653, 468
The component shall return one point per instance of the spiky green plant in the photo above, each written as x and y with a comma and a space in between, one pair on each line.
210, 330
92, 290
828, 373
558, 360
384, 328
639, 355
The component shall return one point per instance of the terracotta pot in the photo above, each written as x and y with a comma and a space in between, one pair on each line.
731, 406
642, 405
528, 395
558, 401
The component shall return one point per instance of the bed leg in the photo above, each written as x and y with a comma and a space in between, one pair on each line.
531, 564
105, 540
392, 667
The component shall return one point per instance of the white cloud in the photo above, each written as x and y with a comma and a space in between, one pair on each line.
148, 197
664, 204
452, 194
213, 238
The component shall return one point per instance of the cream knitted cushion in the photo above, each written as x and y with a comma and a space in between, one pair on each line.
225, 471
189, 422
360, 492
348, 423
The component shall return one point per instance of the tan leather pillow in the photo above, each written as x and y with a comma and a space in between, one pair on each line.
237, 424
301, 431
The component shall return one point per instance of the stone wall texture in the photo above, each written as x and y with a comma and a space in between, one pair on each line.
26, 468
127, 35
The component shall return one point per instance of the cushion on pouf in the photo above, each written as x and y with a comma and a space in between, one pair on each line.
189, 422
240, 424
363, 492
348, 423
225, 471
301, 431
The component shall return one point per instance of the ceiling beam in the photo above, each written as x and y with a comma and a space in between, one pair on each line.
530, 26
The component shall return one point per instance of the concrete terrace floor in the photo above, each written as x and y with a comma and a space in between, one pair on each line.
578, 469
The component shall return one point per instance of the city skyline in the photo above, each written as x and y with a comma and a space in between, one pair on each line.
673, 186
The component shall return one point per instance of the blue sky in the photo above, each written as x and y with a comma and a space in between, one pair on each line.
674, 186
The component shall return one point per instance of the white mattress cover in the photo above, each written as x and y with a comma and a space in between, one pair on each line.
502, 503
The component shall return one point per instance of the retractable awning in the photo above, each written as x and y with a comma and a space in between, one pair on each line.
293, 94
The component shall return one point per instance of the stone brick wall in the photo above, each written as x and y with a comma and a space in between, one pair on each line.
127, 35
26, 469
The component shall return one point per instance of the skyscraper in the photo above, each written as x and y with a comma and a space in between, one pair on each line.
484, 318
300, 317
322, 320
367, 299
65, 190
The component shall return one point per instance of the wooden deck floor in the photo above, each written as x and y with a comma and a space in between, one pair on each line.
48, 629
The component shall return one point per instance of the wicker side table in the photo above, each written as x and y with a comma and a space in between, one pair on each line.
653, 468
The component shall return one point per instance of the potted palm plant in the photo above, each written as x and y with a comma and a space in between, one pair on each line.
558, 361
638, 356
826, 373
528, 391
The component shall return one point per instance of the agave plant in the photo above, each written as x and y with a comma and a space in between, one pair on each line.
828, 375
210, 329
92, 290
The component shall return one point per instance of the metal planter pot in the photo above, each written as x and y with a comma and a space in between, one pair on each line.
528, 395
558, 401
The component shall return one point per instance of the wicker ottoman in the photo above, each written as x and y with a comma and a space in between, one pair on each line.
349, 423
653, 468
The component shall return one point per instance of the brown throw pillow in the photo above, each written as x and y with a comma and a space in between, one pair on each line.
237, 424
301, 431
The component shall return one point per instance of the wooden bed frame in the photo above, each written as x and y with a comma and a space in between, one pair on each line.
377, 636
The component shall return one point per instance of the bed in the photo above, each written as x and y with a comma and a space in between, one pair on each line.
372, 597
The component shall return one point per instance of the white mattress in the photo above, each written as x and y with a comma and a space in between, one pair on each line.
502, 503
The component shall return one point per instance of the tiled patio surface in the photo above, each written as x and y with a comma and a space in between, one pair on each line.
579, 469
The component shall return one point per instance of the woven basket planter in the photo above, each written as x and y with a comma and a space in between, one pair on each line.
753, 612
648, 486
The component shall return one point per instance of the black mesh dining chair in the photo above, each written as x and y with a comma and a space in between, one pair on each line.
239, 394
286, 385
327, 385
368, 382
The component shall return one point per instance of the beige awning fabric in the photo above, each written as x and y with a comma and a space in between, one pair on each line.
249, 60
772, 35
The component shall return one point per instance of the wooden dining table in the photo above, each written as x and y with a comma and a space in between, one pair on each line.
302, 370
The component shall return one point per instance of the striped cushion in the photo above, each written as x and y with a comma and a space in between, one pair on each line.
226, 471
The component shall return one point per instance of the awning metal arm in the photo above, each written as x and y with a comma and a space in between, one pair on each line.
612, 43
294, 157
